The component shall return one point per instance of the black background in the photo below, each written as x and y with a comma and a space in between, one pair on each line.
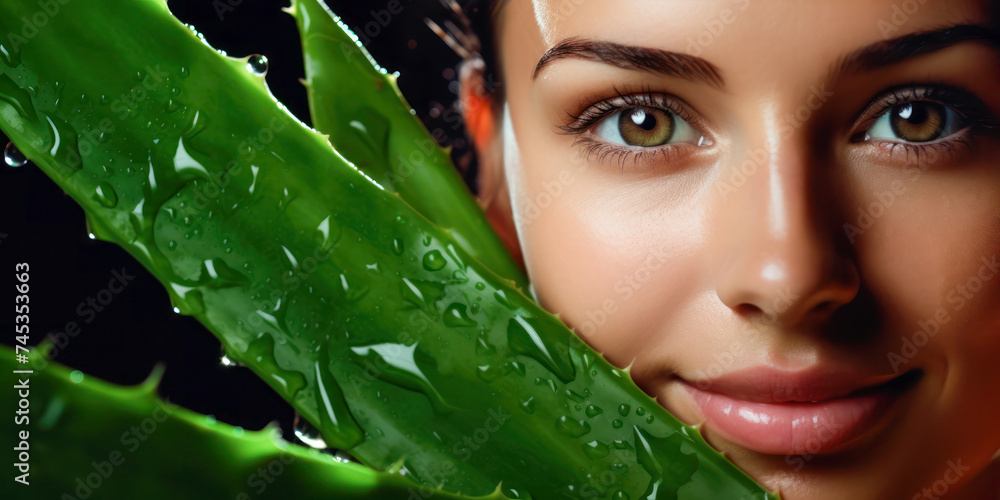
138, 329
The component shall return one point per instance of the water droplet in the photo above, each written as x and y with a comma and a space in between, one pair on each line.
501, 297
623, 409
650, 419
187, 300
488, 373
173, 106
455, 316
572, 427
480, 285
517, 368
595, 450
640, 411
421, 293
651, 452
397, 246
483, 347
620, 495
329, 232
523, 338
621, 445
434, 261
216, 273
308, 434
340, 428
352, 293
257, 64
17, 97
291, 258
9, 56
226, 361
529, 405
516, 494
573, 395
106, 195
254, 170
617, 424
13, 156
76, 376
238, 431
593, 411
402, 369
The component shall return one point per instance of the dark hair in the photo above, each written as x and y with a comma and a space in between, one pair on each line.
475, 37
468, 26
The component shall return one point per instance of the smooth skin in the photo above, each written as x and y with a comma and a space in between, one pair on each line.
785, 239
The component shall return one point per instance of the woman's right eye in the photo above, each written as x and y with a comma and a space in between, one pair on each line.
646, 126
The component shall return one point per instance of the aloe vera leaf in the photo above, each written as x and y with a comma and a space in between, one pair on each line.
360, 106
88, 438
367, 317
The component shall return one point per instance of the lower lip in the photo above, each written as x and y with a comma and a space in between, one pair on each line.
792, 428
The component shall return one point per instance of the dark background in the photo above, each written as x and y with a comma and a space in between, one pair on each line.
138, 329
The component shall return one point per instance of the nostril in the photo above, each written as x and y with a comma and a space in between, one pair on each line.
825, 306
748, 310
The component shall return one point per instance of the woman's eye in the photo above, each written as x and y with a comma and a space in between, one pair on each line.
918, 121
646, 126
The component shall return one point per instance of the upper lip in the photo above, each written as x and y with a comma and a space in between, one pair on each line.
771, 385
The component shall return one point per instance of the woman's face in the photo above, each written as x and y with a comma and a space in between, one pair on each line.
784, 215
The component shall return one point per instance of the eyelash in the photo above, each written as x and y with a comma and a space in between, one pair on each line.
625, 98
963, 102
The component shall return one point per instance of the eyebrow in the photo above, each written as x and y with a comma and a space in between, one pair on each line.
888, 52
634, 58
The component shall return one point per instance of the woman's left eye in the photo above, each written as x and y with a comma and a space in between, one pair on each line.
917, 122
646, 126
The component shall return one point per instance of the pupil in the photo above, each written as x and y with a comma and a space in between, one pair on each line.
643, 120
914, 115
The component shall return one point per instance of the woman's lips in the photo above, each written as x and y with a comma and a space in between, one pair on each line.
794, 413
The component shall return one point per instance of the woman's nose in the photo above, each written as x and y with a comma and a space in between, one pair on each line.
777, 251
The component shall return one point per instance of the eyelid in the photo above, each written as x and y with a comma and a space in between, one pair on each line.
965, 103
626, 98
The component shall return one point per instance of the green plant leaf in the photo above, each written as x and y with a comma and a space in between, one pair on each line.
91, 439
358, 104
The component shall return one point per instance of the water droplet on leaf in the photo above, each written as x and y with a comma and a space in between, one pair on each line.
456, 316
257, 64
106, 195
572, 427
13, 156
308, 434
593, 411
434, 261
